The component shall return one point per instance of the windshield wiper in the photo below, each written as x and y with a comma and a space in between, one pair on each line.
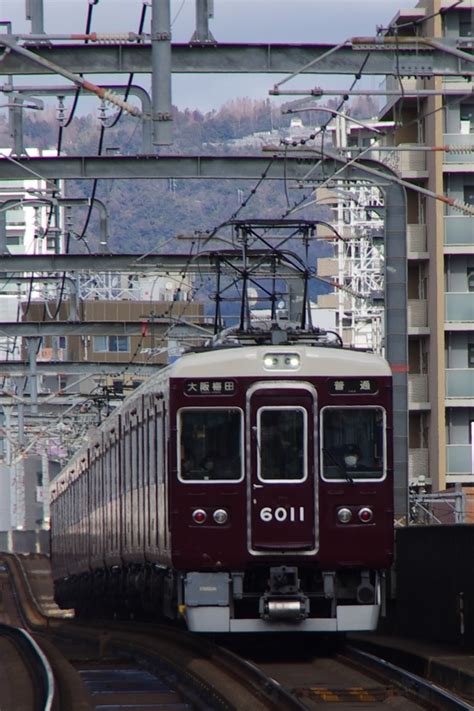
338, 464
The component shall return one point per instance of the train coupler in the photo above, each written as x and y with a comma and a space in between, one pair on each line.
284, 608
284, 599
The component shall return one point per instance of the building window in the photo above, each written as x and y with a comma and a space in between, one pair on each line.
467, 111
469, 194
465, 25
470, 355
467, 114
470, 278
15, 216
111, 344
14, 240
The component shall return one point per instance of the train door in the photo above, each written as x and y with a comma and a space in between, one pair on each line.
282, 493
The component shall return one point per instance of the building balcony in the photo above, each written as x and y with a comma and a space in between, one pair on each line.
328, 301
411, 161
462, 140
418, 463
327, 267
417, 313
459, 307
406, 162
327, 196
459, 459
410, 87
460, 383
458, 231
46, 355
416, 238
409, 84
417, 389
326, 232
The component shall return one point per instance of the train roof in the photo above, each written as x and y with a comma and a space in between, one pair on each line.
249, 361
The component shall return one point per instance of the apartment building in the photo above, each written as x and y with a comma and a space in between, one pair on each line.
30, 223
440, 249
440, 255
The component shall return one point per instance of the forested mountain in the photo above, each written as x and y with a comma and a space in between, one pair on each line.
144, 214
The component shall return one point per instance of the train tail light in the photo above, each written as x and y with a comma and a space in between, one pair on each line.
344, 515
220, 516
199, 516
366, 515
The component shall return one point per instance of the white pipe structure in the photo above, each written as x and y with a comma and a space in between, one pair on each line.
336, 113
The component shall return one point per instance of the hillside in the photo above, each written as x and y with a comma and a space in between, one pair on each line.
148, 215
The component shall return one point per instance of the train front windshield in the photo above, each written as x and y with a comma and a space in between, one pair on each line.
281, 443
353, 443
210, 442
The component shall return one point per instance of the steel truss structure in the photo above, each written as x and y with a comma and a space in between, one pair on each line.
72, 56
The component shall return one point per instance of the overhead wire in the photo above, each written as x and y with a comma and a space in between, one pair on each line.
244, 203
178, 12
415, 23
82, 235
168, 314
312, 136
114, 121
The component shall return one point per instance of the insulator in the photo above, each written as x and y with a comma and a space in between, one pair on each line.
460, 149
102, 113
128, 37
463, 207
61, 111
124, 105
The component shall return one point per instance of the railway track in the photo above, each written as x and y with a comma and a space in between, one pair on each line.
23, 661
132, 663
352, 679
104, 663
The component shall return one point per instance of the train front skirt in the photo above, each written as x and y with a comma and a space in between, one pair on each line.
208, 606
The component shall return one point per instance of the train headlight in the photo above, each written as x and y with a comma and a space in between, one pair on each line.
292, 361
344, 515
199, 516
270, 361
366, 515
281, 361
220, 516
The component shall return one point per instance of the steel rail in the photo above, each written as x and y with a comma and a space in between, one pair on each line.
172, 646
423, 688
42, 675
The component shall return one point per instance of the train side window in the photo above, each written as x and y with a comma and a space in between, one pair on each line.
127, 460
159, 457
210, 444
353, 443
282, 444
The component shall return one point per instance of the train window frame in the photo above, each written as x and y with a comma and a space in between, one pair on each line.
184, 480
350, 475
286, 480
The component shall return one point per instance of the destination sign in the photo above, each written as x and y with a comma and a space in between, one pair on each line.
209, 387
353, 386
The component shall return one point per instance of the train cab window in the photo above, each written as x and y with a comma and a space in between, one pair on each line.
352, 443
210, 444
281, 444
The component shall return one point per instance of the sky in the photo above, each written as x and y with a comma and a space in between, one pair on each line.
247, 21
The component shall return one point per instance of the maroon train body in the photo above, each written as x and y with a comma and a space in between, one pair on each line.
243, 488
